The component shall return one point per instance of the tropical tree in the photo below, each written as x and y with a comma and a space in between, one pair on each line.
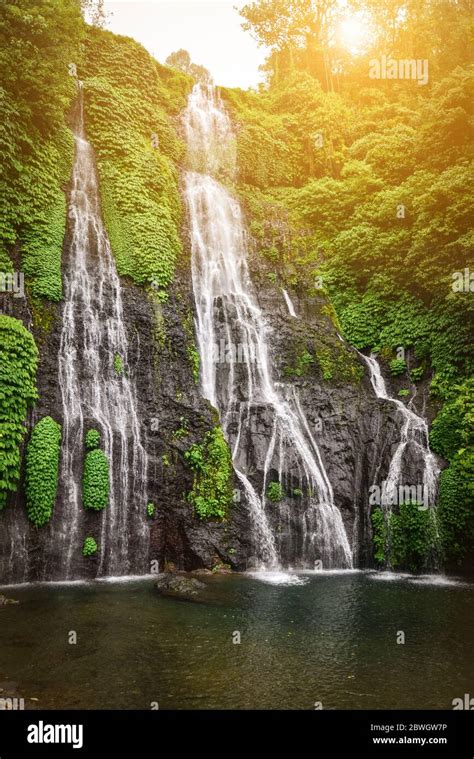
182, 60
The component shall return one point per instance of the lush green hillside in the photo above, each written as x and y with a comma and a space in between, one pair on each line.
130, 102
376, 216
38, 42
355, 187
364, 189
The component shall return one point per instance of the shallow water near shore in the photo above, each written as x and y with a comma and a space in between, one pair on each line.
305, 638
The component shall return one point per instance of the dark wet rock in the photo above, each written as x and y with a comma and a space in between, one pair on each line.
178, 585
221, 569
357, 435
4, 601
167, 393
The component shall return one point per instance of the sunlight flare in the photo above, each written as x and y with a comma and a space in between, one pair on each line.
354, 34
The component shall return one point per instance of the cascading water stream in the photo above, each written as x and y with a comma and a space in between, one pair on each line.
96, 395
414, 435
413, 432
289, 304
236, 368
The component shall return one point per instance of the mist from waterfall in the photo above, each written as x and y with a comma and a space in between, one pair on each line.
242, 386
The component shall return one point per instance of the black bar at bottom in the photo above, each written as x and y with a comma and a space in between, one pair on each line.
220, 733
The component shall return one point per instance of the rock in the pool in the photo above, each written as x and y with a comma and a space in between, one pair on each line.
178, 586
4, 601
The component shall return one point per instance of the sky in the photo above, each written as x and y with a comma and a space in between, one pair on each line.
210, 30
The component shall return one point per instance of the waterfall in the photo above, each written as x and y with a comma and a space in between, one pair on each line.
413, 432
95, 395
236, 367
414, 435
289, 304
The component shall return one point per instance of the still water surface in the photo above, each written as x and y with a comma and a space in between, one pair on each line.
307, 638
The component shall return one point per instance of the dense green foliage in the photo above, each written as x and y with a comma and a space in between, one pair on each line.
129, 99
453, 429
366, 183
274, 492
389, 278
354, 188
191, 349
398, 366
417, 374
211, 462
118, 364
183, 430
195, 361
455, 508
18, 363
42, 467
95, 480
302, 363
303, 35
406, 539
334, 362
38, 41
92, 439
150, 510
452, 436
362, 188
90, 547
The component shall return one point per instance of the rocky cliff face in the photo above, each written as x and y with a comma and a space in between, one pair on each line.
344, 418
175, 416
356, 432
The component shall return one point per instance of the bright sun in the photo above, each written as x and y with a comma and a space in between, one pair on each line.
353, 34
